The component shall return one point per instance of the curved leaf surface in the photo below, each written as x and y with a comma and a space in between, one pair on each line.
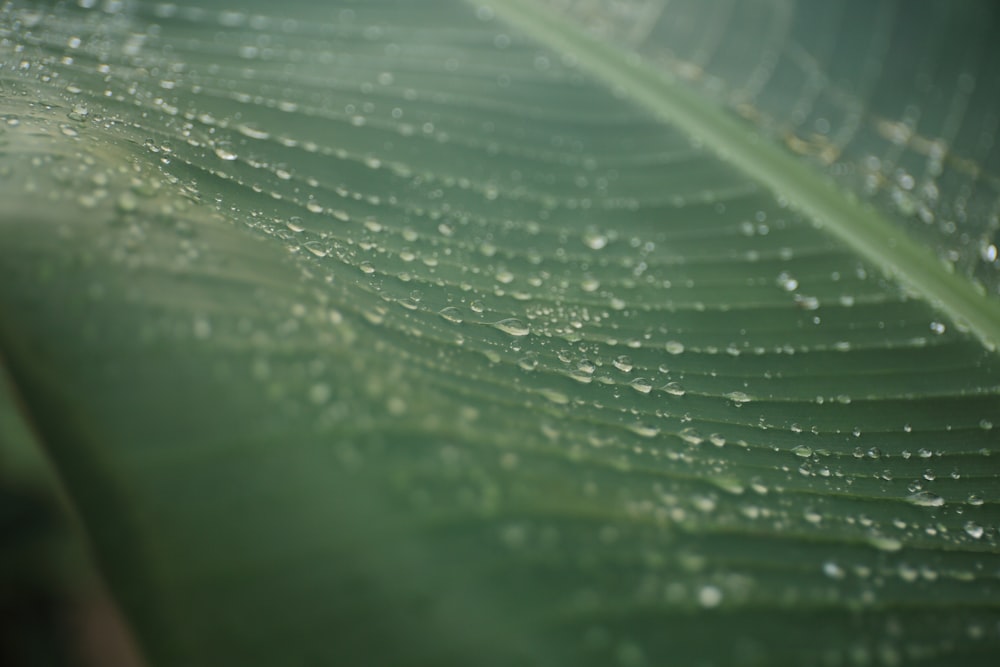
382, 332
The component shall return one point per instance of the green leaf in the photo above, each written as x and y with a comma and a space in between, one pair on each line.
393, 333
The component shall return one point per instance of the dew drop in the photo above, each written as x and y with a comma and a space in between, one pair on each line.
641, 385
738, 397
512, 326
803, 451
554, 396
883, 543
974, 530
623, 363
674, 347
595, 240
451, 314
316, 248
709, 596
224, 153
528, 363
691, 436
674, 389
644, 430
833, 570
925, 499
319, 393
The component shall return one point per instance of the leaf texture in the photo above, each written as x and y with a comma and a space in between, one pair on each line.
383, 333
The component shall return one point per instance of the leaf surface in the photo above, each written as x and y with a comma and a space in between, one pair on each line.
390, 333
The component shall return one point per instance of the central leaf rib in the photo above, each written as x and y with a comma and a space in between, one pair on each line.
857, 224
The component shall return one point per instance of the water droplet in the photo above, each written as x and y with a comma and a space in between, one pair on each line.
709, 596
295, 224
938, 327
787, 282
452, 314
674, 389
252, 132
623, 363
833, 570
883, 543
691, 436
319, 393
512, 326
202, 328
738, 397
925, 499
674, 347
225, 153
595, 240
641, 385
644, 430
316, 248
803, 451
974, 530
528, 363
556, 397
127, 202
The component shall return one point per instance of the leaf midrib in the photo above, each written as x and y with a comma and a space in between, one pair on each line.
857, 224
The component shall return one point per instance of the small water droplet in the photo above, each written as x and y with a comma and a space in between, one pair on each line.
709, 596
833, 570
925, 499
623, 363
803, 451
528, 363
512, 326
674, 389
883, 543
319, 393
452, 314
316, 248
641, 385
674, 347
738, 397
974, 530
202, 328
224, 152
556, 397
691, 436
595, 240
644, 430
